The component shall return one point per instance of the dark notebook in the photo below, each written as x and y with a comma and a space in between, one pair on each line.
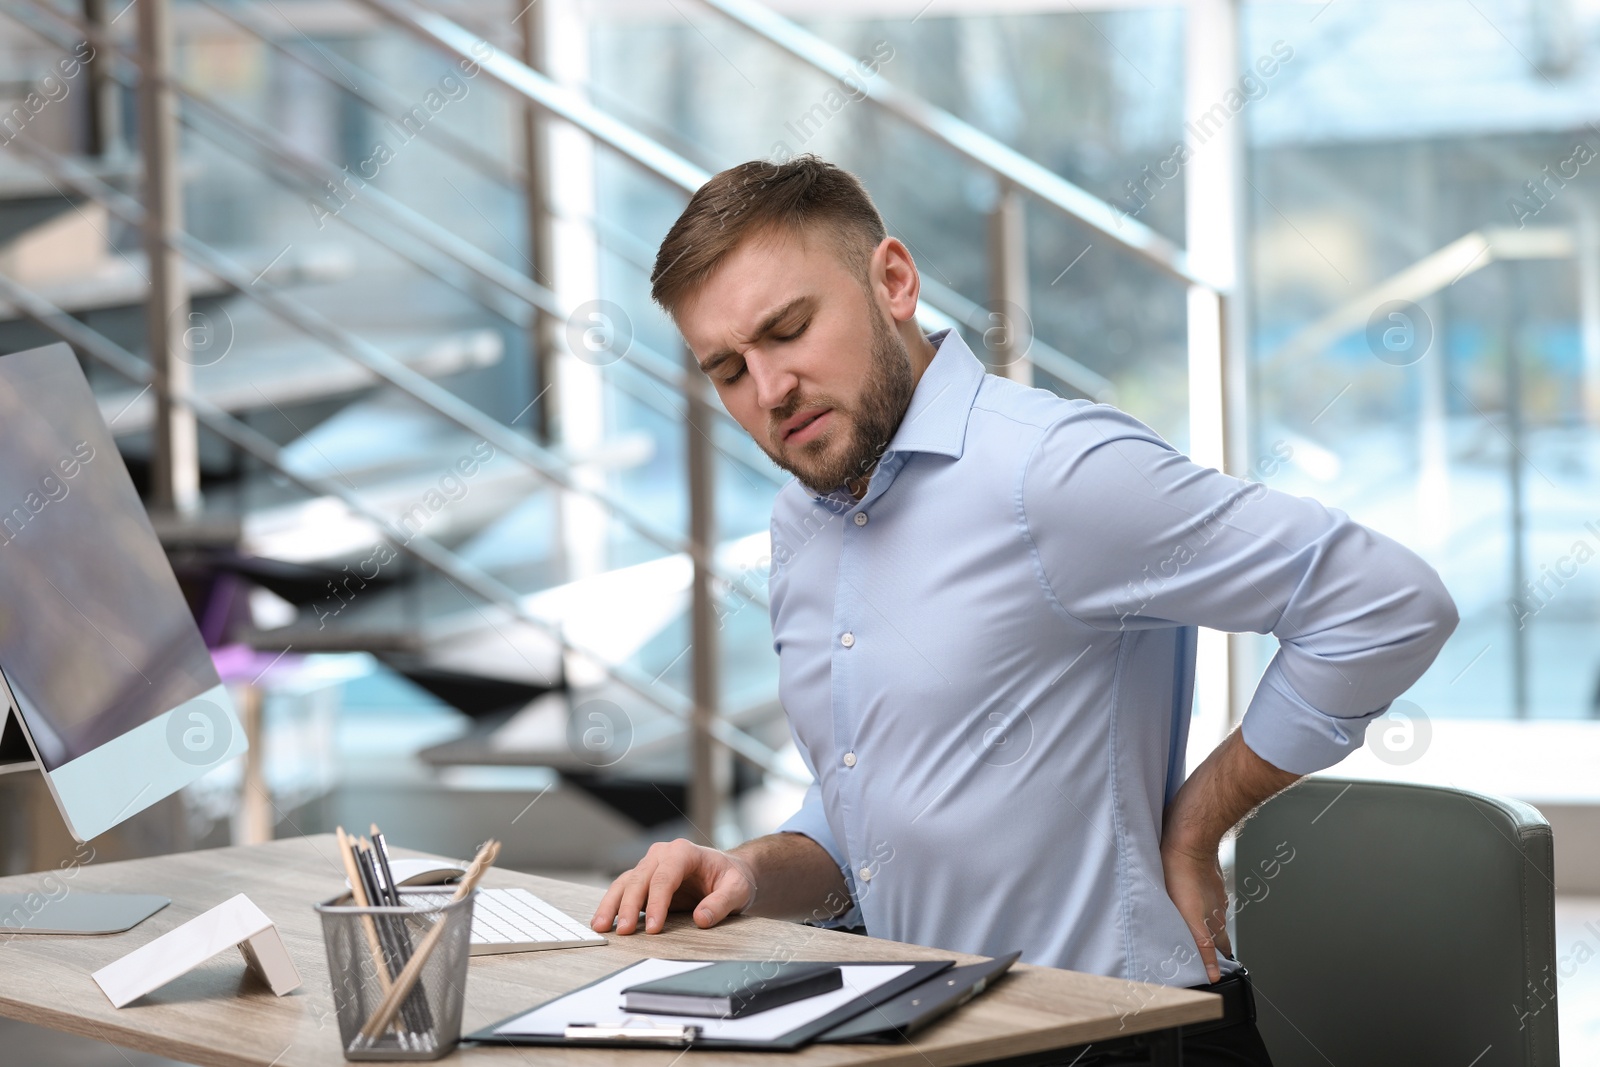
734, 988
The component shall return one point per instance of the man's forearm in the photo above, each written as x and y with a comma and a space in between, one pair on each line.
795, 878
1228, 785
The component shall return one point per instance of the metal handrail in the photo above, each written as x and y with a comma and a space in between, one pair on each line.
937, 298
972, 144
467, 255
384, 366
976, 147
942, 299
418, 545
1058, 364
441, 33
464, 253
392, 109
284, 155
380, 363
514, 283
398, 215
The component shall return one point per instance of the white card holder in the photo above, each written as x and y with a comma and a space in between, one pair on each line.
235, 922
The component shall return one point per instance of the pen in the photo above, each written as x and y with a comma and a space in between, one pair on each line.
684, 1034
414, 1009
358, 893
385, 1011
380, 848
380, 855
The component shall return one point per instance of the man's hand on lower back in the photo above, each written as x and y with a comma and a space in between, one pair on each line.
1194, 882
1227, 786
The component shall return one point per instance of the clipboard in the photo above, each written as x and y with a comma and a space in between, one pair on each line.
591, 1016
898, 1017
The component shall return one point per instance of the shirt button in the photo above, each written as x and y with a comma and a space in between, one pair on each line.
849, 759
866, 874
861, 518
848, 640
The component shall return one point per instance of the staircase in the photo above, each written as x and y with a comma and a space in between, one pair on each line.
438, 421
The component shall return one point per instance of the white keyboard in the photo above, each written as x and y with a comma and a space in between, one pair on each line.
514, 920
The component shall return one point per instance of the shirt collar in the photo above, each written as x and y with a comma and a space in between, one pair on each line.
936, 419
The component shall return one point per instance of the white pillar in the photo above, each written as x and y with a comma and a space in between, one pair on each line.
175, 462
579, 386
1214, 215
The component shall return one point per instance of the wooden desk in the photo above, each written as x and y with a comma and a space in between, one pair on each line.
220, 1017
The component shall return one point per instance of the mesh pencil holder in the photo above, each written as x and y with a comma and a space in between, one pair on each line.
370, 951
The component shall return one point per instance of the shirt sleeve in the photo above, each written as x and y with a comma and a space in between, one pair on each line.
811, 821
1130, 534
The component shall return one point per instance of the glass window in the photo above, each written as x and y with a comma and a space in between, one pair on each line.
1427, 314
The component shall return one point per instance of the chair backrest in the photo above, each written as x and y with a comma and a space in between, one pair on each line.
1399, 924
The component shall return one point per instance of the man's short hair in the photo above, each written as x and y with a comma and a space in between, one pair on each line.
801, 196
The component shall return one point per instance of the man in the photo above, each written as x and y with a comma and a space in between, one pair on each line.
984, 601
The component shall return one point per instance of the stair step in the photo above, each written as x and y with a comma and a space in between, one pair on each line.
601, 732
121, 281
288, 373
28, 198
635, 615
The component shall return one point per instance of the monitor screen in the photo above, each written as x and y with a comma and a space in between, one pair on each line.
92, 642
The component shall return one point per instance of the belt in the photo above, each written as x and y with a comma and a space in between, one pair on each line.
1238, 1002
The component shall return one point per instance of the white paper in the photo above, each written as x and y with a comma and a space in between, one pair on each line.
601, 1004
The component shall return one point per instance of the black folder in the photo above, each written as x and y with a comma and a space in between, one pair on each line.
898, 1017
919, 973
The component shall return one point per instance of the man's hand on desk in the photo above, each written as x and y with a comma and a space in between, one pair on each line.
1227, 786
797, 876
675, 876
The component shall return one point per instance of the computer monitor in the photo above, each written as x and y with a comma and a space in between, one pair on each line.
110, 689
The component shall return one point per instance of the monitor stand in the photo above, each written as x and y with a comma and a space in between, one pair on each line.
74, 912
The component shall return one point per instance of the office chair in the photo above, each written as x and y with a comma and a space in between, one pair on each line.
1399, 924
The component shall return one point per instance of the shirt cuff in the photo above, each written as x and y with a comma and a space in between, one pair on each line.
810, 821
1292, 735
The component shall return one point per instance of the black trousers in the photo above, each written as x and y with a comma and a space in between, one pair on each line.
1231, 1041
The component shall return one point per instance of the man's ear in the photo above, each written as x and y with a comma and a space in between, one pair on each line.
899, 284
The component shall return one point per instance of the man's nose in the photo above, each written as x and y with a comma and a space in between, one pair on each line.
774, 382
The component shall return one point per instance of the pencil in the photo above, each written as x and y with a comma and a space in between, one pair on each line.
392, 932
358, 893
408, 977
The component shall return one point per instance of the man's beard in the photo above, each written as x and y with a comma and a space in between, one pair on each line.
818, 464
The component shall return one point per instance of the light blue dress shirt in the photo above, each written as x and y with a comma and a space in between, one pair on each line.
988, 663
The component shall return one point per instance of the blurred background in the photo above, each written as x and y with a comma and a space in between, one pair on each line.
479, 557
